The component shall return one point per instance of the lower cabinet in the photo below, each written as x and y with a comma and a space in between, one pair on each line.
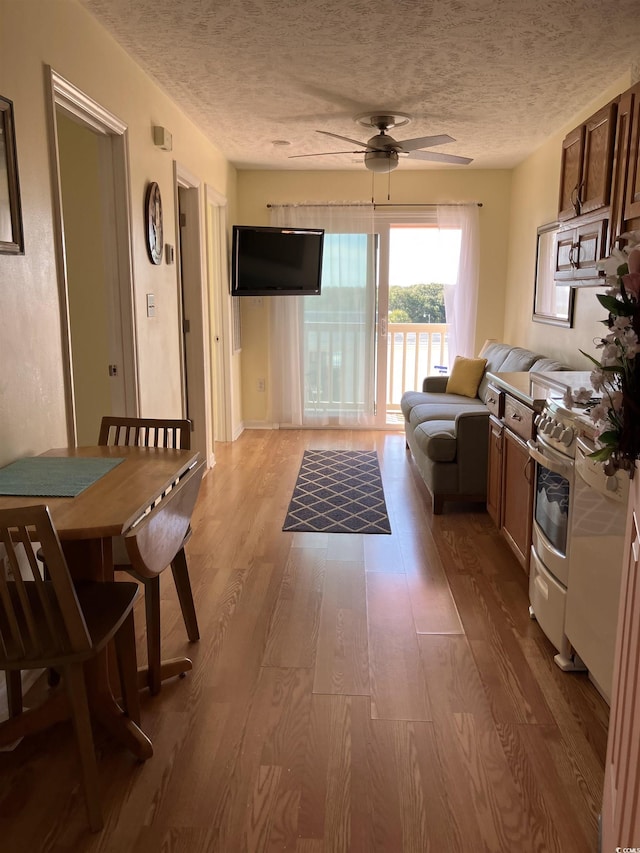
510, 478
494, 473
517, 496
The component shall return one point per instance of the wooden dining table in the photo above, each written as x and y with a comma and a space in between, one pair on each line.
86, 525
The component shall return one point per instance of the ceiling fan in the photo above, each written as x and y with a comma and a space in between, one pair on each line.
382, 152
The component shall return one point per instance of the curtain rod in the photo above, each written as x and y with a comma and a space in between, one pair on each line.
368, 204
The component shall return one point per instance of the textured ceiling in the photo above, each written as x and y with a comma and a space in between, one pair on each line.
500, 76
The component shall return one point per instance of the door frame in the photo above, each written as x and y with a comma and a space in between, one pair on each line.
192, 291
114, 158
224, 315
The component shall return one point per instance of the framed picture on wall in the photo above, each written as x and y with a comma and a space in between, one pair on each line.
11, 236
552, 302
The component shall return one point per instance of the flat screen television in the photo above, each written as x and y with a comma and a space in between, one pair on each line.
269, 261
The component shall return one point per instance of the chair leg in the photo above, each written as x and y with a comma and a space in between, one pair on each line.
152, 610
180, 572
14, 692
74, 680
125, 643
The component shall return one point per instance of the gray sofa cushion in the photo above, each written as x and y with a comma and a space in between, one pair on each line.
548, 365
437, 440
443, 410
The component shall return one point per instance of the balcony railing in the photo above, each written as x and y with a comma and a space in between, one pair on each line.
414, 350
333, 362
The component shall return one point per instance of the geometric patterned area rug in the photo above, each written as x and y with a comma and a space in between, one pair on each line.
338, 491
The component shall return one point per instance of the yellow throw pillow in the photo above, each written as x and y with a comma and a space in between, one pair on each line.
466, 376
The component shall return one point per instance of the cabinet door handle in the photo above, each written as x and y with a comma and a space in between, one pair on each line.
527, 469
575, 198
516, 417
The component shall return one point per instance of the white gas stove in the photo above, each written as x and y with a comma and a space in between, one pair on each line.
559, 425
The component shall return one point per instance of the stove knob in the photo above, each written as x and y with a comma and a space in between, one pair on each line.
537, 420
546, 429
567, 436
557, 431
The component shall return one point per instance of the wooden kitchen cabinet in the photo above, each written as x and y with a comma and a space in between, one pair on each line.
578, 249
587, 165
494, 471
510, 472
517, 496
625, 192
632, 159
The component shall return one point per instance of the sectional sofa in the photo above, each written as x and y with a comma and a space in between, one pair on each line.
447, 433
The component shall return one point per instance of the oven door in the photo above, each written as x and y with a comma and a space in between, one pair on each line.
551, 507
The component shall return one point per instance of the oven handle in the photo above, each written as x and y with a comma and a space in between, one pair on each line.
554, 464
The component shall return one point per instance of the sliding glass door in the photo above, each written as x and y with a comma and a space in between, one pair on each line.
338, 350
416, 262
380, 326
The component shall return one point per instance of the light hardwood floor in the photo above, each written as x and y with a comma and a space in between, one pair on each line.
373, 694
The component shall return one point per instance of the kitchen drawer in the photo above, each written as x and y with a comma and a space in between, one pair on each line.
495, 400
519, 418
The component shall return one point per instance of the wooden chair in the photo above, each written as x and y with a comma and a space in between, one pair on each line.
54, 623
153, 432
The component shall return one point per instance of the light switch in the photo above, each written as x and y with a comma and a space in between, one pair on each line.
151, 305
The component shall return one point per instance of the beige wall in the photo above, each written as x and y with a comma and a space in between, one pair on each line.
62, 34
85, 254
534, 202
257, 189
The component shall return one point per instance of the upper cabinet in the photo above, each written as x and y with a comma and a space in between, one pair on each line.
587, 164
599, 196
626, 200
632, 198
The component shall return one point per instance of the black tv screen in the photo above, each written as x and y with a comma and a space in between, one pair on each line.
276, 261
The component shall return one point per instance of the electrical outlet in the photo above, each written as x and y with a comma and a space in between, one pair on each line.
260, 384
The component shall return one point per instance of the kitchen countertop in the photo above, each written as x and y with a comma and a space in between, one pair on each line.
533, 389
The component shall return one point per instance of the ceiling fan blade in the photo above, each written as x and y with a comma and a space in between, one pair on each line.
425, 142
323, 154
344, 138
436, 157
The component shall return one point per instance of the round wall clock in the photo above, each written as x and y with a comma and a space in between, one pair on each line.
153, 215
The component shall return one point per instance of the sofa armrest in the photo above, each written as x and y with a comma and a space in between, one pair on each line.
435, 384
472, 442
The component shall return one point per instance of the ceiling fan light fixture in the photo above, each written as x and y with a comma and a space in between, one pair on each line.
381, 161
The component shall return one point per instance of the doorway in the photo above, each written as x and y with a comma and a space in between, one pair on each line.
93, 258
416, 262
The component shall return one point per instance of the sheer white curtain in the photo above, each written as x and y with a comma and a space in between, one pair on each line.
322, 347
461, 298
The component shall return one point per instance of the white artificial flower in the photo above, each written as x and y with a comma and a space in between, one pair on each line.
610, 265
598, 380
599, 413
621, 323
611, 354
616, 400
582, 395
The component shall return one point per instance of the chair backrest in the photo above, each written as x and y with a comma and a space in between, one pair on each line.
145, 432
156, 538
39, 620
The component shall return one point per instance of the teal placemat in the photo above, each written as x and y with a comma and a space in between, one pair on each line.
53, 476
